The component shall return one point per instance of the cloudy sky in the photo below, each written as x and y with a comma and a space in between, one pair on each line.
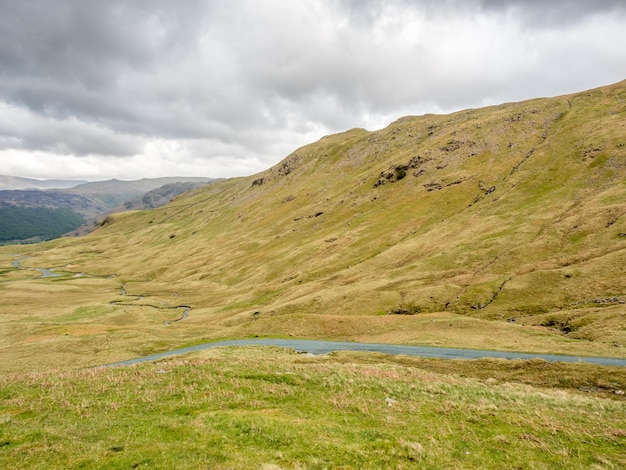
127, 89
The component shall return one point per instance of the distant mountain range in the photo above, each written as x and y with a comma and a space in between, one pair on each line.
31, 214
16, 182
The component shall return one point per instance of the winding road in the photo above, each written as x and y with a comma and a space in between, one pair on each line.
323, 347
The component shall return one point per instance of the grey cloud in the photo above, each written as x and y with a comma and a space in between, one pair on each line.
20, 129
576, 7
554, 13
105, 77
150, 68
366, 76
74, 57
533, 13
88, 42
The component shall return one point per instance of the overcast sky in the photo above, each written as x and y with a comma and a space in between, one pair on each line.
98, 89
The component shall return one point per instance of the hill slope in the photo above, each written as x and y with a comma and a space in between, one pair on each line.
502, 227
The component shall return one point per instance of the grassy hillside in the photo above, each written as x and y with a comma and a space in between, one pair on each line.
507, 220
273, 409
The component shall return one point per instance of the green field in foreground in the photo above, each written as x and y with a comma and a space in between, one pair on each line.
270, 408
499, 228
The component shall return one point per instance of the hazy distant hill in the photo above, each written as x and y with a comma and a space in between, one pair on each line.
115, 192
15, 182
132, 187
31, 214
160, 196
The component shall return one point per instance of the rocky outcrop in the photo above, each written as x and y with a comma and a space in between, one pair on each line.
397, 172
391, 175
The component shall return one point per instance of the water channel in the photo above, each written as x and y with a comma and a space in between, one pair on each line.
45, 272
323, 347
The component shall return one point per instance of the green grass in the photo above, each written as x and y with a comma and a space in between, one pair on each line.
270, 408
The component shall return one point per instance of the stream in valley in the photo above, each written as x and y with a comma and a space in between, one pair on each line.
45, 272
48, 273
323, 347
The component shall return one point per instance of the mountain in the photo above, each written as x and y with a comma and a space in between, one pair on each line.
160, 196
30, 214
502, 227
499, 228
15, 182
114, 192
134, 187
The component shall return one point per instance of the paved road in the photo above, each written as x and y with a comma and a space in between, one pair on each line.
323, 347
